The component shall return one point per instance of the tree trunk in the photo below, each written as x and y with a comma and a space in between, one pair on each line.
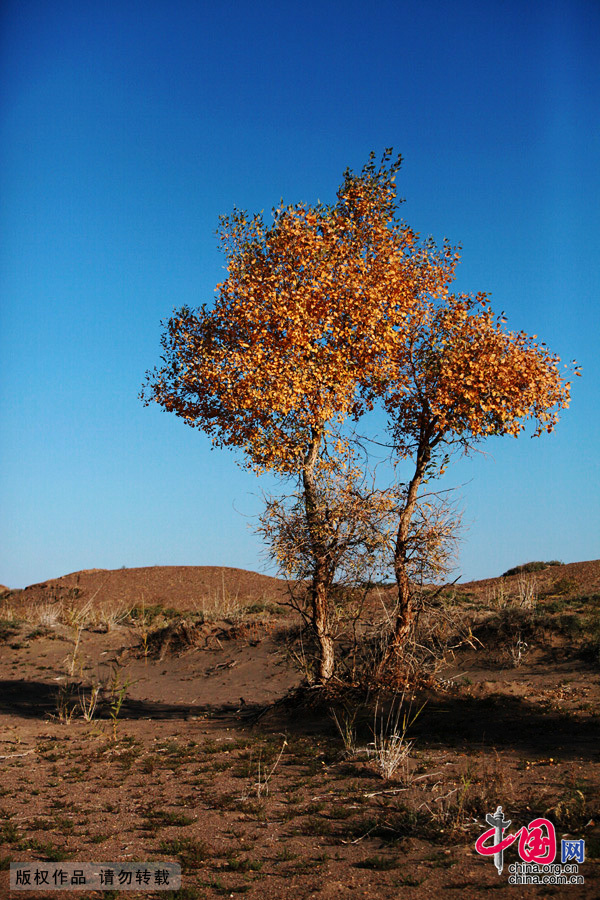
405, 616
326, 645
406, 613
322, 565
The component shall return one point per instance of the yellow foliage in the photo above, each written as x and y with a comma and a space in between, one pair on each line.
332, 309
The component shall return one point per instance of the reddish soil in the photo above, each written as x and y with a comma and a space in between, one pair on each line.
181, 587
202, 750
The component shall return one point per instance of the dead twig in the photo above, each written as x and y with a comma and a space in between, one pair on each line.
13, 755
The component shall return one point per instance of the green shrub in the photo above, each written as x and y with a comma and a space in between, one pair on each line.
560, 587
8, 628
147, 614
536, 566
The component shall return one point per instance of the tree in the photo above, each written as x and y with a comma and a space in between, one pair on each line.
299, 332
325, 313
462, 379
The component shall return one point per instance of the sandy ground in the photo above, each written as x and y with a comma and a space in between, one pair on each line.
199, 750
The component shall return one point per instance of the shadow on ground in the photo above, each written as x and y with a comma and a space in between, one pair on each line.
445, 722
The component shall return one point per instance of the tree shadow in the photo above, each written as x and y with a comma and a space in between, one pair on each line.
509, 723
39, 699
458, 722
505, 722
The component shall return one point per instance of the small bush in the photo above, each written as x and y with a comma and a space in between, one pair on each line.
591, 645
535, 566
570, 623
147, 614
192, 854
560, 587
9, 833
8, 628
514, 620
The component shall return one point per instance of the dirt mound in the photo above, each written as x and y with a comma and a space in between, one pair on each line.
177, 587
567, 579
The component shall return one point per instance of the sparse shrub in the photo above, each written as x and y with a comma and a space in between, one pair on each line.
51, 853
391, 747
47, 615
264, 606
497, 595
160, 818
570, 813
527, 590
221, 605
259, 785
65, 702
118, 695
514, 629
243, 864
40, 631
315, 825
9, 833
285, 854
110, 616
88, 702
515, 620
345, 721
390, 826
518, 649
450, 811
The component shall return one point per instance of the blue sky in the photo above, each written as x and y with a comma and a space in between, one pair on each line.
127, 128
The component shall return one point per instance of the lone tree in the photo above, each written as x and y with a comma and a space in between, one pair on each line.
327, 312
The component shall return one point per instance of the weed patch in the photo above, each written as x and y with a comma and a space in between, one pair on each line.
192, 854
378, 863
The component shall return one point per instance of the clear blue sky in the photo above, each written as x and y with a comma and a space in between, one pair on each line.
128, 127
